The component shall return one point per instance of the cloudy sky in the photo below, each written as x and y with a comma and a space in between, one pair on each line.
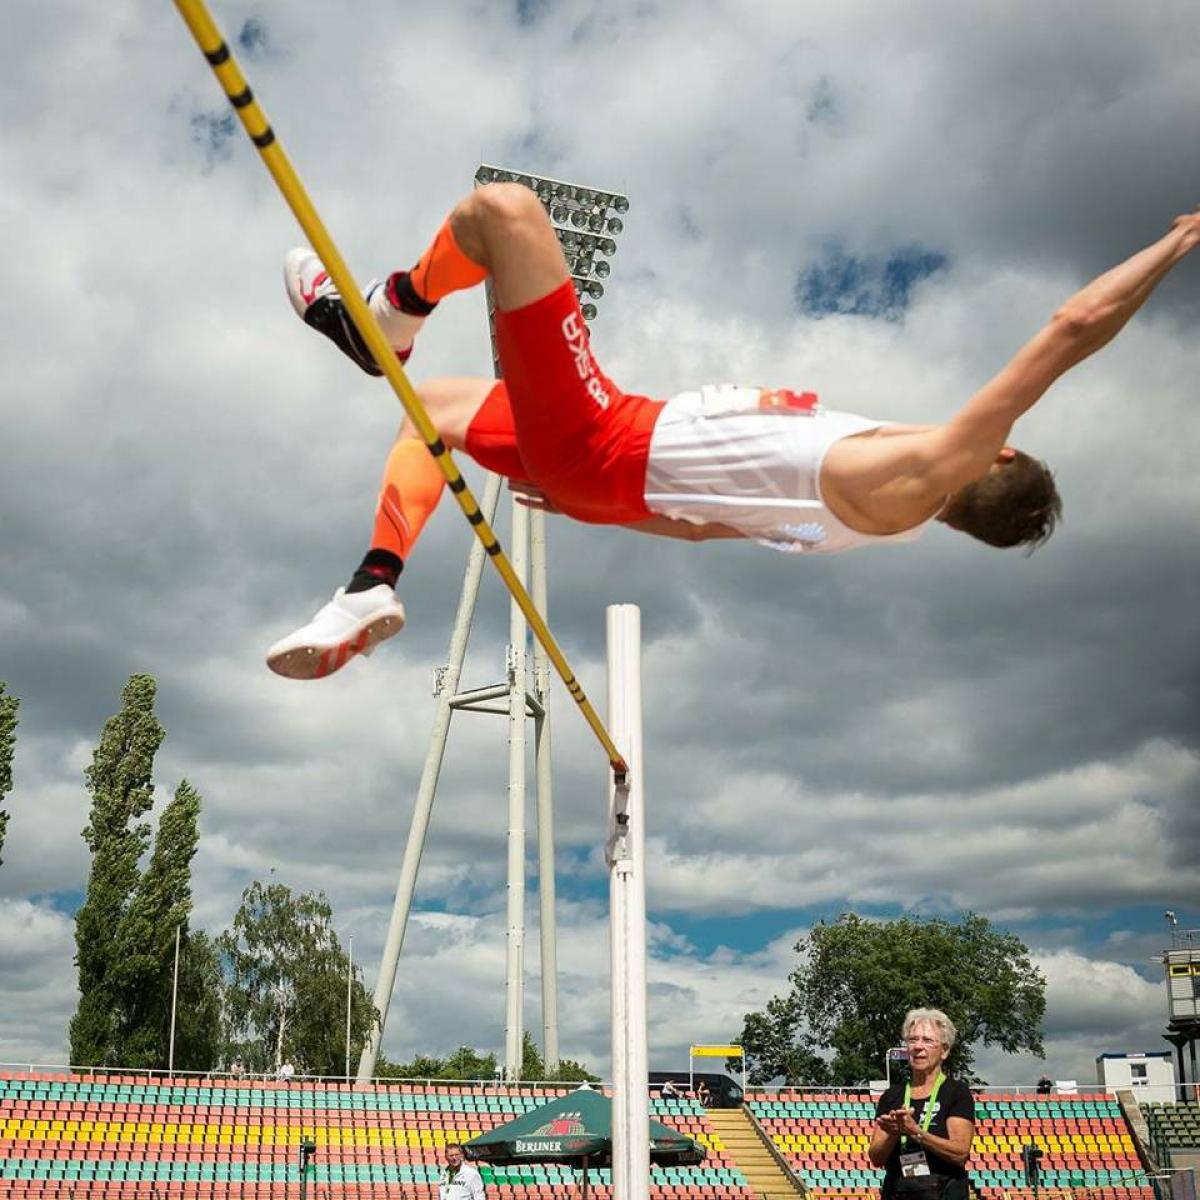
876, 202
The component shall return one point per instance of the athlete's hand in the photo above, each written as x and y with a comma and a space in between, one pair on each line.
529, 495
1189, 223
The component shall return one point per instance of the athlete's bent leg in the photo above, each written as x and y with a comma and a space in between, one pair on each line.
505, 229
366, 612
499, 230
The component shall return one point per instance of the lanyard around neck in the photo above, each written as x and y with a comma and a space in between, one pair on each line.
927, 1115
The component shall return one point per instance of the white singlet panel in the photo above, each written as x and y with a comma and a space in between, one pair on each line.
716, 455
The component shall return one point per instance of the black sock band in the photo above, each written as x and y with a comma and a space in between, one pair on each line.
377, 566
402, 295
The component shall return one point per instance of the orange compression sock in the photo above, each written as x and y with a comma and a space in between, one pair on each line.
412, 487
444, 268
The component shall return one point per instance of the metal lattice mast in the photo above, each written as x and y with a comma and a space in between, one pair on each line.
587, 222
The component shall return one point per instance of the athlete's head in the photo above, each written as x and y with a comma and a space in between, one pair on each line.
1014, 504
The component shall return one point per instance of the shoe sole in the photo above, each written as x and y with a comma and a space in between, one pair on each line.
316, 662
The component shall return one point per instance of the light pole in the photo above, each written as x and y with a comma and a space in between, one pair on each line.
280, 992
349, 995
174, 1004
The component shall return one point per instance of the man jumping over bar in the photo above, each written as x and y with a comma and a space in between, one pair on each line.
721, 462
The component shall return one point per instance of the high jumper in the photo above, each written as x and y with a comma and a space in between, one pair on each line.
773, 466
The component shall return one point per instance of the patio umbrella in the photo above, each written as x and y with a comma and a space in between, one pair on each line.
575, 1130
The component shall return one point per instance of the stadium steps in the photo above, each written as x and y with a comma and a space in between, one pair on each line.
742, 1141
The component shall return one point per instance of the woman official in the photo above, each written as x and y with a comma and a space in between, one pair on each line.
923, 1128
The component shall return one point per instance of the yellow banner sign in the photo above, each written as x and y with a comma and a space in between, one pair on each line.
717, 1052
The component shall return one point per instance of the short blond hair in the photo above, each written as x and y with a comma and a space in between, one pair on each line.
931, 1016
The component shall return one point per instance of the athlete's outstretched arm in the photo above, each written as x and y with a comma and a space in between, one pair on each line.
532, 496
964, 448
687, 531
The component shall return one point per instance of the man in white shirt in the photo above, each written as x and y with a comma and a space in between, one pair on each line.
460, 1179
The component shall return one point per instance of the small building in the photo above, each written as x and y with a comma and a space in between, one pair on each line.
1151, 1076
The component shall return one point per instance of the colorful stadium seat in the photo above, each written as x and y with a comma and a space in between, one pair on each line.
1086, 1144
132, 1136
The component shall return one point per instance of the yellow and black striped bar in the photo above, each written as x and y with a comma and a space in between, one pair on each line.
254, 121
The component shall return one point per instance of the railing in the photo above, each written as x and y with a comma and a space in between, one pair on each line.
112, 1074
503, 1087
777, 1155
860, 1092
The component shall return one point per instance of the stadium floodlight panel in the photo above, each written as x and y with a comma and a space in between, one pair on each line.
583, 221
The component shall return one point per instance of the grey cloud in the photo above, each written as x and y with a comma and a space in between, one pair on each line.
188, 472
36, 953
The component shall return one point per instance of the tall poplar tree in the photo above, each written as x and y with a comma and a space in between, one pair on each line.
119, 780
198, 1027
144, 959
8, 738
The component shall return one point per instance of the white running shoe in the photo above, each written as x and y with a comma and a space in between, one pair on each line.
351, 623
318, 303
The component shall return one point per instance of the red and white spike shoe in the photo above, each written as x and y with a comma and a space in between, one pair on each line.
319, 304
351, 623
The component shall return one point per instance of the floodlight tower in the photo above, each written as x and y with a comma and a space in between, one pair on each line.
588, 222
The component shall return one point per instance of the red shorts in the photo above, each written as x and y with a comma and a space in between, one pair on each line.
557, 421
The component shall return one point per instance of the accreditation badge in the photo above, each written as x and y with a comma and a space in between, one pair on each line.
914, 1164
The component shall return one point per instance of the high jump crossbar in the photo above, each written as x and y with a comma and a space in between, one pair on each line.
229, 75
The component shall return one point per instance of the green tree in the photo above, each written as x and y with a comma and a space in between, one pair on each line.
857, 978
464, 1063
778, 1045
423, 1066
469, 1063
144, 960
198, 1029
8, 738
571, 1071
533, 1066
119, 780
285, 994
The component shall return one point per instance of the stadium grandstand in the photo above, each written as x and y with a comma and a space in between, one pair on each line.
64, 1134
1174, 1134
70, 1134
